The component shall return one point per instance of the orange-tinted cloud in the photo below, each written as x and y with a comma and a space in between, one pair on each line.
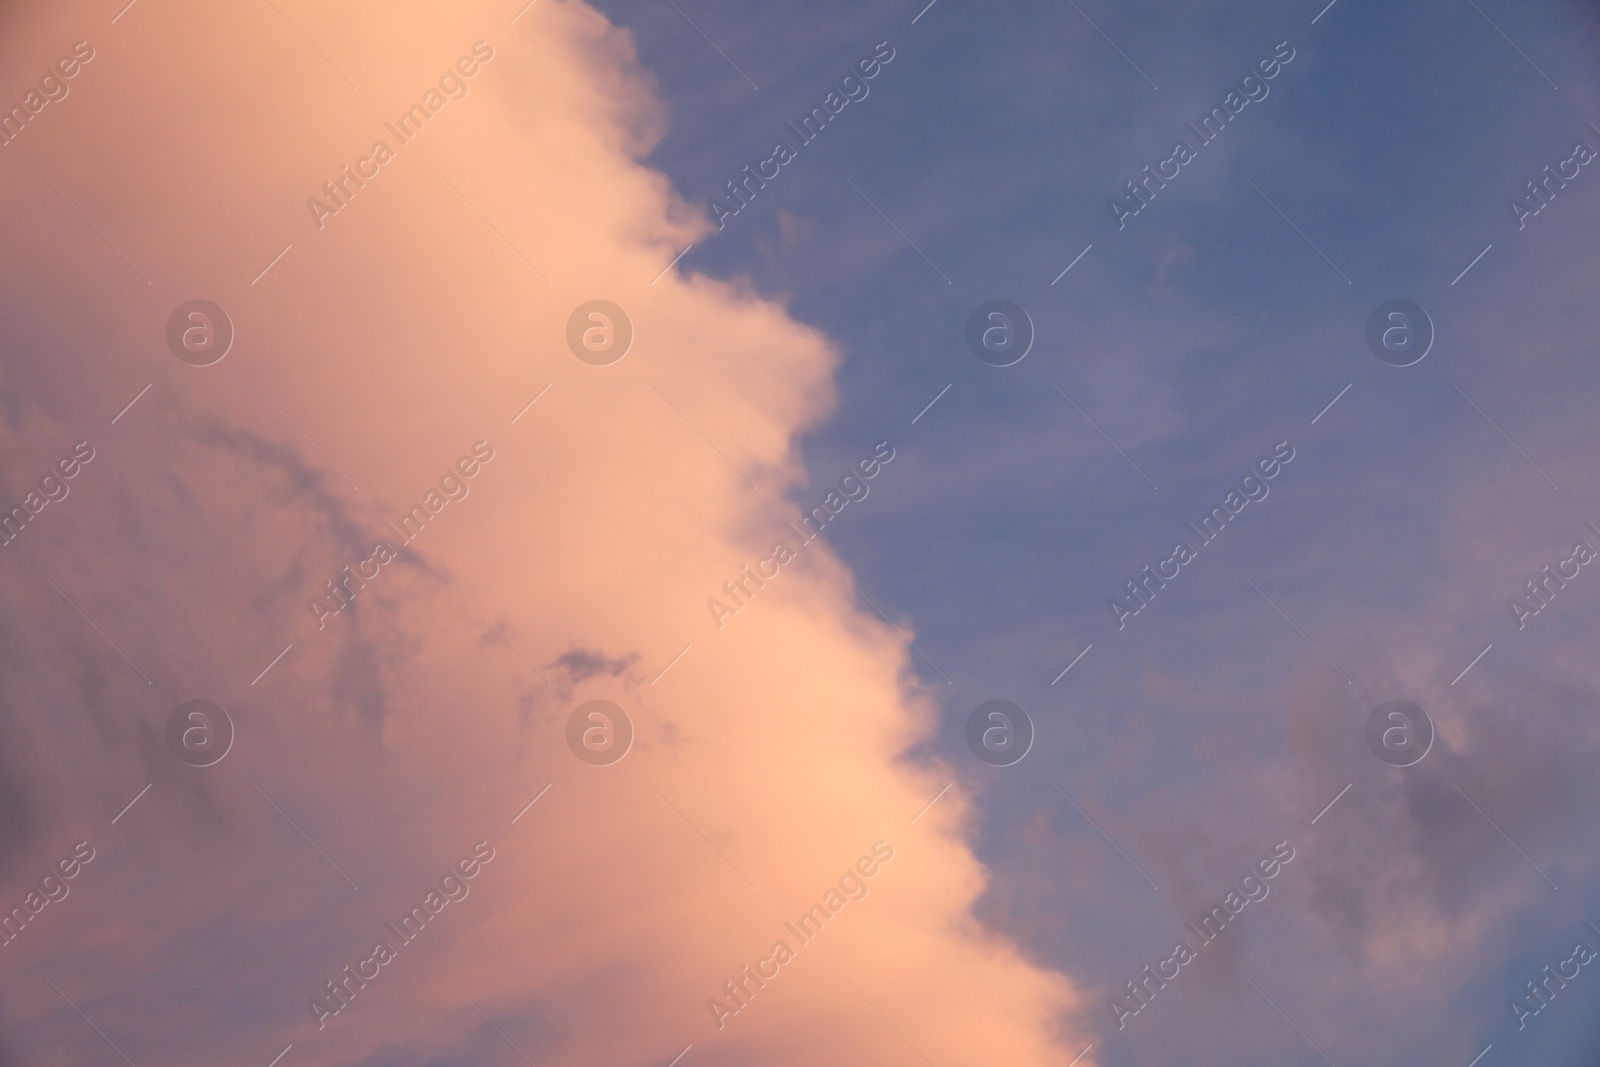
370, 359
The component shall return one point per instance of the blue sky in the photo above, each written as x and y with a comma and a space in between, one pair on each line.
1221, 328
1209, 329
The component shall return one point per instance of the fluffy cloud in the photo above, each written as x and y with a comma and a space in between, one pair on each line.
422, 318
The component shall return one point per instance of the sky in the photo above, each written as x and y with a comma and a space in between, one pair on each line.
397, 382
